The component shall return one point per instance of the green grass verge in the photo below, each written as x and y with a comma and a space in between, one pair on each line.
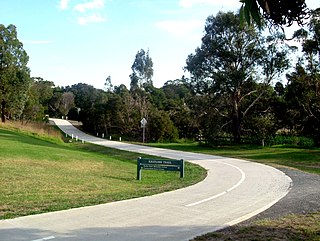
293, 227
290, 156
38, 174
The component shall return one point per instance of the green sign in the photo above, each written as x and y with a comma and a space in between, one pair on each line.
159, 165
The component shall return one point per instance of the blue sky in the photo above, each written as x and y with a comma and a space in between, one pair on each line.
85, 41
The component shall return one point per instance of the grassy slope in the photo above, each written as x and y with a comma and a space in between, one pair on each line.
40, 175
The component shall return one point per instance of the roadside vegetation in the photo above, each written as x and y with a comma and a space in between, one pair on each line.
292, 227
42, 174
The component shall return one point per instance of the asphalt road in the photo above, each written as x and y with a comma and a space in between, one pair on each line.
234, 191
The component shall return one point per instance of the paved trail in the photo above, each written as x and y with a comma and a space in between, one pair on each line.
233, 191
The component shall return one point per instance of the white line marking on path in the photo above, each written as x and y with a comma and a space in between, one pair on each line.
243, 177
260, 210
43, 239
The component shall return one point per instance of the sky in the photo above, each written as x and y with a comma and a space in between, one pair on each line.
85, 41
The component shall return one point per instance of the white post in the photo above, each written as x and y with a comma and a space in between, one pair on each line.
72, 136
120, 138
102, 135
110, 138
76, 138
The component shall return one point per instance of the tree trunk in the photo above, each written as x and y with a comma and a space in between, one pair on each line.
236, 119
3, 108
236, 125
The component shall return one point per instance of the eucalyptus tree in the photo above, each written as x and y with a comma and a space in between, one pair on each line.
142, 70
14, 73
310, 41
39, 96
108, 84
66, 103
303, 90
232, 56
89, 102
141, 78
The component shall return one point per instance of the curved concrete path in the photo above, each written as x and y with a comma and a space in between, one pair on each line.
233, 191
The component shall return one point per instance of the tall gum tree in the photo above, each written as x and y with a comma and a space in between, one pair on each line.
141, 78
232, 56
14, 74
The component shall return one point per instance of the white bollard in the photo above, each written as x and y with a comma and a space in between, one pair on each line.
76, 138
102, 135
120, 138
72, 136
110, 138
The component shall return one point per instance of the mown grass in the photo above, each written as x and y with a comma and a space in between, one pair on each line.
41, 174
292, 227
290, 156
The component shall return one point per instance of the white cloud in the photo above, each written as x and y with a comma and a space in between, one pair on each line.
94, 18
95, 4
63, 4
191, 3
180, 28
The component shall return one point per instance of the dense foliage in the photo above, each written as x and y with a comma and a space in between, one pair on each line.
236, 91
276, 12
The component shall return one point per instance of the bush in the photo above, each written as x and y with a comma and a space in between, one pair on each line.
291, 140
161, 128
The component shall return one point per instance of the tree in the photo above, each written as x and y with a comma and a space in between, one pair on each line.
310, 41
66, 103
89, 101
230, 60
39, 96
303, 90
142, 70
108, 85
277, 12
161, 128
14, 73
130, 112
303, 101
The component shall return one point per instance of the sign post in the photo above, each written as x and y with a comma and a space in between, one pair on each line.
159, 165
143, 126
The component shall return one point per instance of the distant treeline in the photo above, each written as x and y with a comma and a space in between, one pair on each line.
235, 93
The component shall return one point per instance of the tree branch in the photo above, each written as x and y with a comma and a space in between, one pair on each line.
252, 104
248, 94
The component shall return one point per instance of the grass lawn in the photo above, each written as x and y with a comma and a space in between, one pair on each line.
293, 227
41, 174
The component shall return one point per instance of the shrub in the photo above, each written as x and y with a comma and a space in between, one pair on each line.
291, 140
